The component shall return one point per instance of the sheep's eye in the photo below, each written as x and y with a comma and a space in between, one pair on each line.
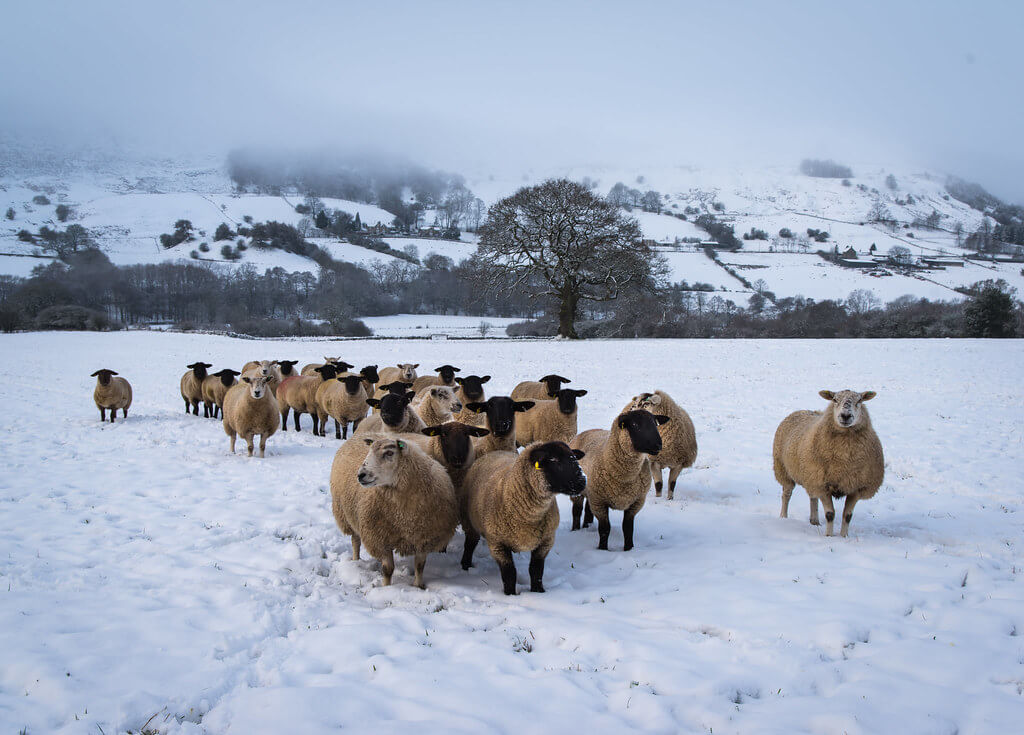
388, 454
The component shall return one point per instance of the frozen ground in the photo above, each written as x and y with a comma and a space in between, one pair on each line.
149, 576
427, 325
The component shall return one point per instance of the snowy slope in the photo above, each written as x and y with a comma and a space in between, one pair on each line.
150, 577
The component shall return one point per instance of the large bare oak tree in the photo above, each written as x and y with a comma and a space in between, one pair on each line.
559, 239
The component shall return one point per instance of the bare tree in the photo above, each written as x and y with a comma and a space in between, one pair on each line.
861, 301
561, 240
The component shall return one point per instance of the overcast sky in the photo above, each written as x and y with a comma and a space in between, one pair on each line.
461, 85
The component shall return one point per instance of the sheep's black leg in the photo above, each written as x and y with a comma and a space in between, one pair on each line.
317, 431
472, 539
503, 555
295, 413
604, 527
657, 489
125, 412
537, 570
337, 429
588, 514
627, 526
186, 404
103, 414
577, 513
284, 419
344, 431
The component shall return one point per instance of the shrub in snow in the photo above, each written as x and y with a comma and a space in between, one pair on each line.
40, 199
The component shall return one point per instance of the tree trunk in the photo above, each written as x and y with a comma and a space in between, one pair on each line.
567, 316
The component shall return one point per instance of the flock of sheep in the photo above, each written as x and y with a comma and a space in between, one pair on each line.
436, 453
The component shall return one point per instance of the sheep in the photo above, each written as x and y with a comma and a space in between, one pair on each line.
370, 378
250, 409
339, 365
445, 376
192, 386
617, 473
395, 417
544, 389
500, 413
397, 387
215, 387
405, 371
389, 496
678, 438
286, 367
262, 365
265, 369
833, 454
436, 405
509, 499
344, 400
451, 444
551, 421
298, 393
471, 390
111, 392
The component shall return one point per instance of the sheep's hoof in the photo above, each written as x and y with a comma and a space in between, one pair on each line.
536, 587
511, 591
627, 547
814, 522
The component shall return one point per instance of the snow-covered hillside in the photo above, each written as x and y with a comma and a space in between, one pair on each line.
127, 214
150, 579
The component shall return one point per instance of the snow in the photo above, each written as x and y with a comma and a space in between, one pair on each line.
149, 576
428, 325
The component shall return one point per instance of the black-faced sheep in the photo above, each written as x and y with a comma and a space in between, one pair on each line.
111, 392
445, 376
500, 413
544, 389
344, 400
395, 417
509, 499
215, 387
192, 386
298, 394
617, 473
551, 421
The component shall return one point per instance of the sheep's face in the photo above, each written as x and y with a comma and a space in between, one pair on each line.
473, 386
381, 465
353, 383
327, 372
567, 400
553, 383
447, 373
287, 367
444, 398
560, 466
257, 386
456, 441
398, 387
501, 413
645, 402
103, 376
408, 371
227, 377
199, 369
265, 368
848, 406
370, 373
392, 407
642, 429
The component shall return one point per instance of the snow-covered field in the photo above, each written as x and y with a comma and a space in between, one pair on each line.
427, 325
150, 577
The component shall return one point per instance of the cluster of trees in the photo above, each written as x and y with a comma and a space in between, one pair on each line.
755, 234
628, 198
183, 232
61, 242
723, 234
825, 169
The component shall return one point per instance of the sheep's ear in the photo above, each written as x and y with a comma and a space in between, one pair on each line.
865, 396
662, 419
375, 402
456, 370
400, 444
655, 399
207, 364
233, 372
409, 396
522, 406
485, 378
578, 453
190, 367
458, 380
95, 373
344, 366
580, 393
477, 431
415, 365
432, 431
621, 421
826, 394
476, 407
247, 380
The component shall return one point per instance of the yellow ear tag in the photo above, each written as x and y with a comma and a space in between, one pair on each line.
537, 465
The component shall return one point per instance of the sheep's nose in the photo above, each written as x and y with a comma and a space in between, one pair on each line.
846, 416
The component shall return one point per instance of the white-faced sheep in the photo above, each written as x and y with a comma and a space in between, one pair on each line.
509, 499
111, 392
436, 405
343, 400
390, 496
405, 372
445, 376
617, 474
678, 438
192, 386
395, 417
544, 389
833, 453
298, 394
215, 387
250, 409
500, 415
551, 421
